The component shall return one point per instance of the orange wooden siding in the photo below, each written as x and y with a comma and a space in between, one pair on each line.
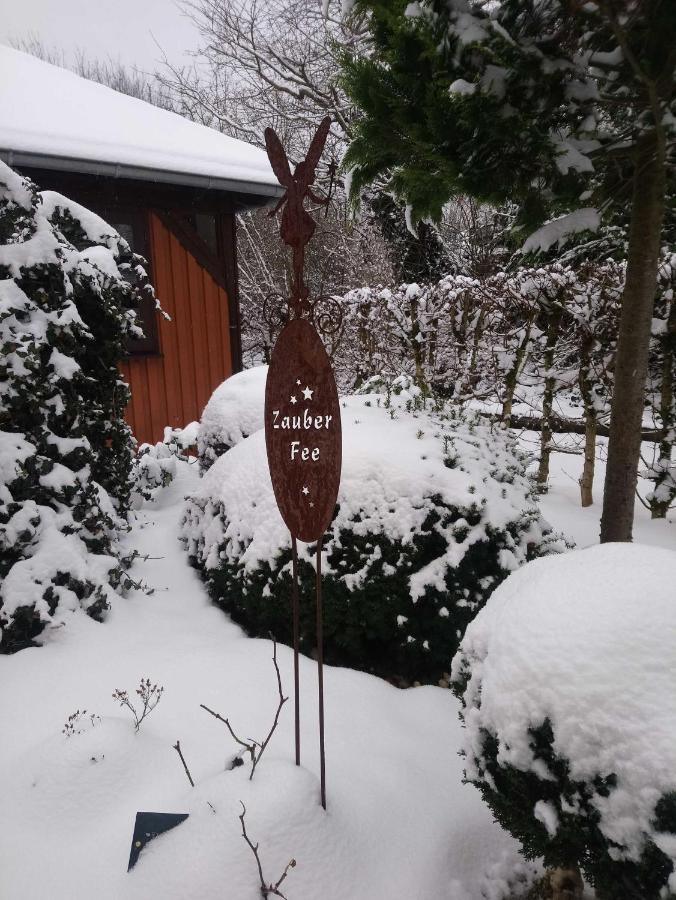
195, 354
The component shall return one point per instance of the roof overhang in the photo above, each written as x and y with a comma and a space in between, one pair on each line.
19, 158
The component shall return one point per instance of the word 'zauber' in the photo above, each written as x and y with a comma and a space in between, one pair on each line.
294, 423
307, 420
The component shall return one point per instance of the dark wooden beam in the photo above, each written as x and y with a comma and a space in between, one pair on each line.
99, 189
560, 425
226, 232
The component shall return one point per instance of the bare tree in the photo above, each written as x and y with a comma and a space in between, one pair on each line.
269, 62
277, 63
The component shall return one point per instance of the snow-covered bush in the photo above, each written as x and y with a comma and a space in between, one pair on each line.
433, 512
155, 464
661, 469
234, 411
68, 287
567, 683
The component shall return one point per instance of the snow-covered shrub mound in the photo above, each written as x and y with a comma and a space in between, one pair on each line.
433, 512
234, 411
155, 464
68, 287
568, 682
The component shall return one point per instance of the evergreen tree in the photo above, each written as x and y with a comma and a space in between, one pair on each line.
563, 107
68, 287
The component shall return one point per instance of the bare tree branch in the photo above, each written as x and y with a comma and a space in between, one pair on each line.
270, 889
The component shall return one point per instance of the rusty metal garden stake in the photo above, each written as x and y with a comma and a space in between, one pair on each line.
302, 413
296, 642
320, 674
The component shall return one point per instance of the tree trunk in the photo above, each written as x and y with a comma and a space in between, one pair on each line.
631, 359
566, 884
512, 378
587, 478
478, 334
418, 350
553, 324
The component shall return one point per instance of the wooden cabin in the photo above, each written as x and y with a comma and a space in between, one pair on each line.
172, 188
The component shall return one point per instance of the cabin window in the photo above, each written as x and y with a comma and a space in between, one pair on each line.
205, 226
132, 225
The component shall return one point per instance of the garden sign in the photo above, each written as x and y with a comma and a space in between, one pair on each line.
302, 414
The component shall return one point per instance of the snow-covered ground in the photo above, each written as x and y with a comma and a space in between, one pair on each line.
400, 824
561, 504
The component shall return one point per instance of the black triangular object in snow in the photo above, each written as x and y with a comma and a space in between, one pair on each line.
147, 826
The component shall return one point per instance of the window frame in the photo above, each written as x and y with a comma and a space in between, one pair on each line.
112, 213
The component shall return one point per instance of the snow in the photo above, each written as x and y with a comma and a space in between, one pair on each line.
95, 228
393, 467
42, 247
558, 230
14, 450
52, 112
26, 584
400, 822
561, 504
183, 437
13, 189
234, 411
64, 366
460, 86
587, 640
546, 813
571, 155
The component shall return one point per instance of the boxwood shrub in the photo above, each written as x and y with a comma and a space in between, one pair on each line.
433, 512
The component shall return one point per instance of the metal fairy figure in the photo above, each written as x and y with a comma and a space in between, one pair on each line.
297, 226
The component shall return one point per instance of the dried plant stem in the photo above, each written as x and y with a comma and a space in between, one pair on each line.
282, 701
267, 890
177, 748
250, 748
254, 748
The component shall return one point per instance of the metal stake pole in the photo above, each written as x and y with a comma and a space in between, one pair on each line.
296, 645
320, 673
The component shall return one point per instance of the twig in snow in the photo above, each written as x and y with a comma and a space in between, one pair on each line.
177, 748
250, 748
267, 890
256, 748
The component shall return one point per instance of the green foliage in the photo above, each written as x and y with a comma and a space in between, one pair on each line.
512, 794
406, 562
376, 627
525, 102
68, 287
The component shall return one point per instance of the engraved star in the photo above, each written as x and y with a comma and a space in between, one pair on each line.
293, 399
307, 393
298, 382
311, 503
305, 490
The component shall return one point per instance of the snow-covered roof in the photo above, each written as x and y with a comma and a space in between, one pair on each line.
51, 118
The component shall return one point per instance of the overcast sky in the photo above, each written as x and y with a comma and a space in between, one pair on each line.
123, 29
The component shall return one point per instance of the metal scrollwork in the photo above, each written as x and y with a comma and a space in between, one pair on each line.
326, 315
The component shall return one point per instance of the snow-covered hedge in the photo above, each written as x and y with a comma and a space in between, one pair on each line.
433, 513
68, 287
567, 679
234, 411
155, 464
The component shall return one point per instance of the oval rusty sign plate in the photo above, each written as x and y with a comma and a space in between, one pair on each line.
302, 431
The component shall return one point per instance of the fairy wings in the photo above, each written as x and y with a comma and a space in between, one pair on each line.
300, 181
